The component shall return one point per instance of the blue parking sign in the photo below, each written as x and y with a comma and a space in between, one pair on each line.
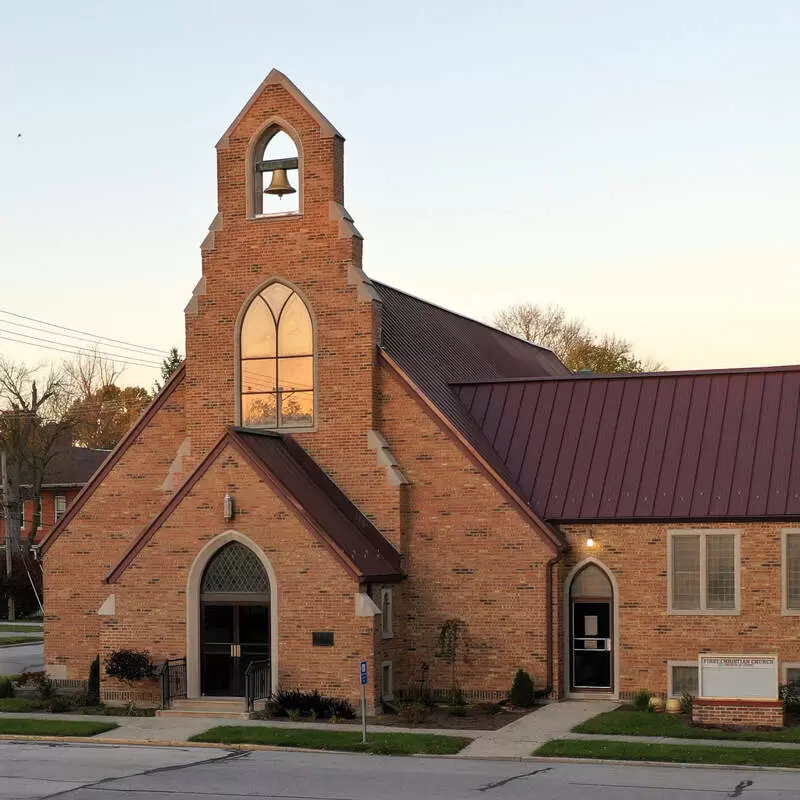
363, 673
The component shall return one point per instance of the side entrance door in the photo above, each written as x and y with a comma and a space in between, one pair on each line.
233, 635
591, 645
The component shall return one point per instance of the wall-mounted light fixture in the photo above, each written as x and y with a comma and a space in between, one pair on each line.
227, 507
590, 542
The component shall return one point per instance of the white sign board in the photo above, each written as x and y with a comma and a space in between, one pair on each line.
745, 677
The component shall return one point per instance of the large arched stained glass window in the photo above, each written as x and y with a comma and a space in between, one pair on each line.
277, 367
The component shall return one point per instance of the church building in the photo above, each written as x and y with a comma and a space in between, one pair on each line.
340, 472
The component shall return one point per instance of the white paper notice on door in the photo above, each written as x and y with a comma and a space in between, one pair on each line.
590, 626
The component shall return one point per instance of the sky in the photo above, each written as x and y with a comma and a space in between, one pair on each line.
634, 162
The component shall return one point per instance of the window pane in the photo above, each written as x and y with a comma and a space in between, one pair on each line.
259, 375
721, 570
684, 679
793, 675
297, 409
276, 295
295, 337
296, 373
793, 571
686, 573
591, 582
258, 410
258, 331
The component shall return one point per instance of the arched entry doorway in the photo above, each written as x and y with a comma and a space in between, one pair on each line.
234, 619
591, 625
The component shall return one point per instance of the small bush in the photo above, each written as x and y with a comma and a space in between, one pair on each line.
308, 703
414, 712
522, 693
687, 703
44, 686
6, 688
457, 711
60, 705
93, 687
130, 666
790, 694
641, 699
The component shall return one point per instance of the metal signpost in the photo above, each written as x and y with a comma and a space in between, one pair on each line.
364, 678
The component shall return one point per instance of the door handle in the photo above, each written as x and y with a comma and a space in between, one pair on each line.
236, 651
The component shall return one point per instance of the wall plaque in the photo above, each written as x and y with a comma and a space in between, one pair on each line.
750, 677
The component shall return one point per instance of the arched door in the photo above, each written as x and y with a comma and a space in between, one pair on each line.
591, 634
234, 619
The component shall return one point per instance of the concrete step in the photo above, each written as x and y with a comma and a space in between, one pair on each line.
210, 704
203, 714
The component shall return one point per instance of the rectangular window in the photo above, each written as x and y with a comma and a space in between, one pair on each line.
704, 572
791, 674
387, 630
791, 571
60, 506
682, 678
387, 678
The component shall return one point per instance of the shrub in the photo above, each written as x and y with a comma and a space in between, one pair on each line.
44, 686
790, 694
457, 711
522, 693
131, 667
58, 705
6, 688
306, 704
414, 712
93, 687
687, 703
641, 699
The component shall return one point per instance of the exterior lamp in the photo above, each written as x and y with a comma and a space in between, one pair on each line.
590, 542
227, 507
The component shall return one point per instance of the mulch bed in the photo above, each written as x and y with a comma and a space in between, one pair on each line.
477, 718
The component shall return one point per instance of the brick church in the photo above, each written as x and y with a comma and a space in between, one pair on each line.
339, 469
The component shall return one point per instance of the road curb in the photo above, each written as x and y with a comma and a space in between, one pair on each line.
20, 644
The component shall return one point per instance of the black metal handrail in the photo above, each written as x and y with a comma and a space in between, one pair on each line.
257, 683
173, 681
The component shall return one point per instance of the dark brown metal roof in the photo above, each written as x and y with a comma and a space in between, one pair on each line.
73, 466
694, 445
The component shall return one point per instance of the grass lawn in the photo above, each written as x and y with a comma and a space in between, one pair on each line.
19, 705
53, 727
629, 721
405, 744
7, 640
14, 627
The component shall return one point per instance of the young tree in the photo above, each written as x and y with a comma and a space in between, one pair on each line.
571, 340
168, 366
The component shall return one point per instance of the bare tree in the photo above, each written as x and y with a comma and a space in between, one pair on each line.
571, 340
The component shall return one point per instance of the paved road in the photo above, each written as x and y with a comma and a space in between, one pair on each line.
21, 658
107, 772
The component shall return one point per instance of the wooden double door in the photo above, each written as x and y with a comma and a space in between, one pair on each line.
233, 635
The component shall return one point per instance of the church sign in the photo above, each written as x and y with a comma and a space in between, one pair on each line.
745, 677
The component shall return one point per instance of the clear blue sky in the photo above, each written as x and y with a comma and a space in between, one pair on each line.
635, 162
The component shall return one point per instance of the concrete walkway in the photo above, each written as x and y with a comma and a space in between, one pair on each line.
597, 737
522, 737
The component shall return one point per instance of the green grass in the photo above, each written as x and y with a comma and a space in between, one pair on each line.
677, 753
629, 721
381, 743
7, 640
53, 727
19, 705
13, 627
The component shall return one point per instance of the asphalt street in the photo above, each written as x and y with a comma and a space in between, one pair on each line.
21, 658
109, 772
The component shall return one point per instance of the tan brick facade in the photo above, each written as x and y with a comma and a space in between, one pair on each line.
738, 713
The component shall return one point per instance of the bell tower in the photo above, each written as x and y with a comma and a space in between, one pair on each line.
282, 231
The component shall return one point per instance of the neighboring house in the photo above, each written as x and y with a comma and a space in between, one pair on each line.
339, 468
67, 473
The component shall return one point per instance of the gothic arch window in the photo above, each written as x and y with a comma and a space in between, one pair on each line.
276, 174
277, 361
234, 569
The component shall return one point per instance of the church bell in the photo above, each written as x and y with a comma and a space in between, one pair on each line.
280, 184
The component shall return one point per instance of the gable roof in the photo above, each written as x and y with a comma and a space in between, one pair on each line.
715, 444
115, 455
73, 466
315, 499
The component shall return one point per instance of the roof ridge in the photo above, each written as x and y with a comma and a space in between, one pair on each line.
486, 325
687, 373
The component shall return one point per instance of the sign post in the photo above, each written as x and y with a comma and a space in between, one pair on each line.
364, 679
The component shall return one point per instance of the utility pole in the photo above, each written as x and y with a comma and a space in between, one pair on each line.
8, 513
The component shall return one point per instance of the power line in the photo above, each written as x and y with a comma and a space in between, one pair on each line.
153, 350
129, 361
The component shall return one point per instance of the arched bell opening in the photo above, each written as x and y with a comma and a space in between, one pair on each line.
277, 177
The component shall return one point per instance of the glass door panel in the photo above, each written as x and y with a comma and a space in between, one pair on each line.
219, 634
591, 645
253, 638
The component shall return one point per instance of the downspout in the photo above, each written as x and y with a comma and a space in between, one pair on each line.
550, 608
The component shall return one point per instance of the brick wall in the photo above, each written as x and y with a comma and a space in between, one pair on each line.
739, 713
48, 512
649, 635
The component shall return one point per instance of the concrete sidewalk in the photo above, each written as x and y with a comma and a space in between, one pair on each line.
600, 737
522, 737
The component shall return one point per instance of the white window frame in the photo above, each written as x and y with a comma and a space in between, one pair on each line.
785, 667
737, 571
38, 507
56, 515
387, 620
785, 610
387, 693
670, 664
